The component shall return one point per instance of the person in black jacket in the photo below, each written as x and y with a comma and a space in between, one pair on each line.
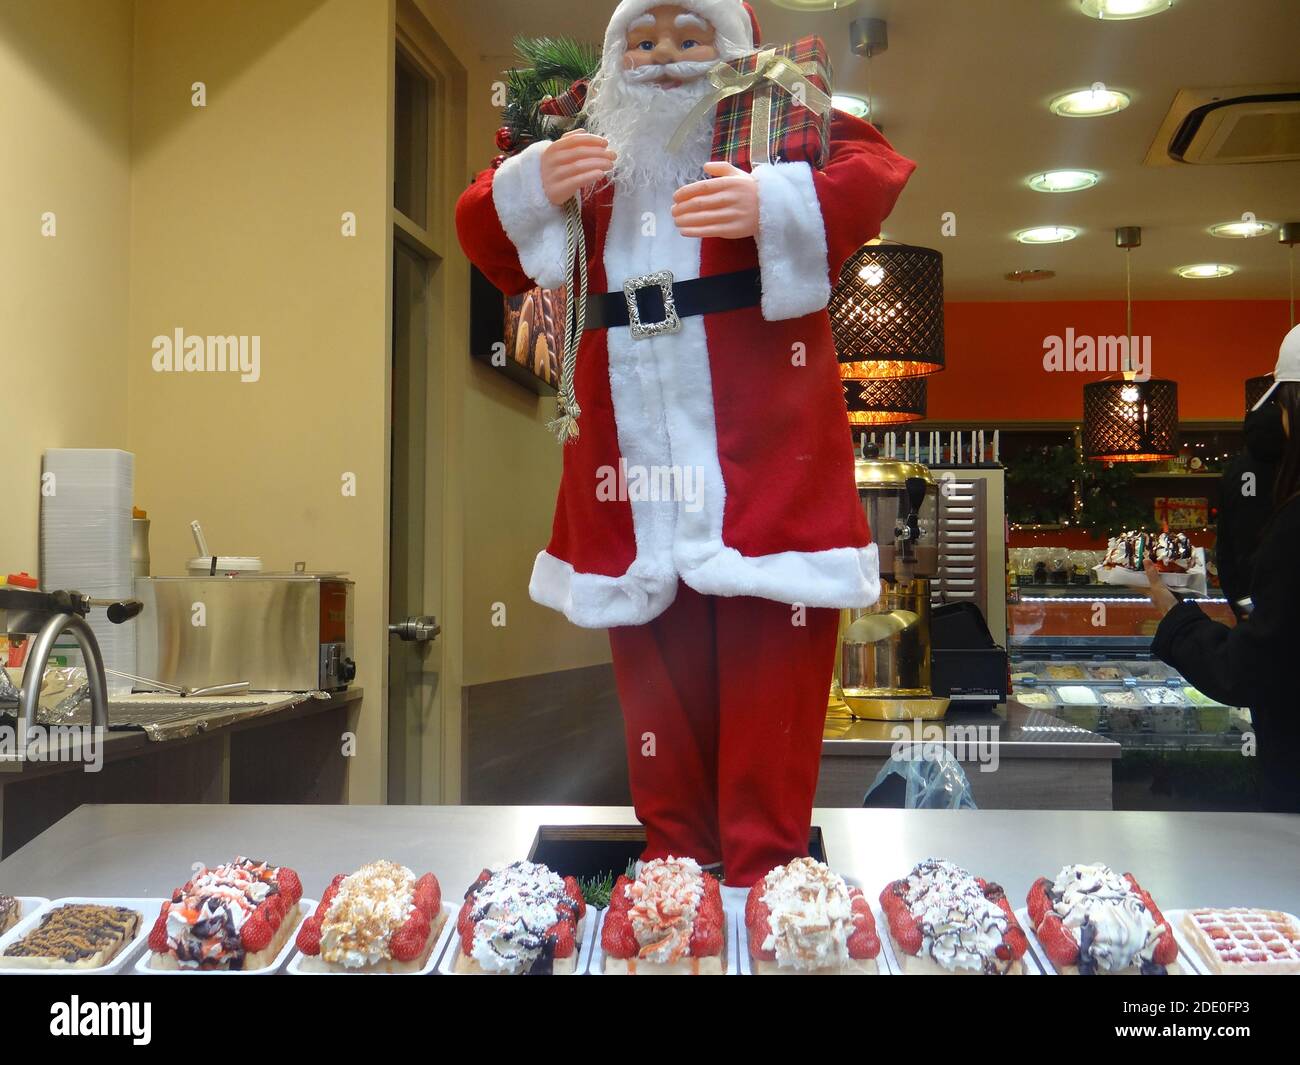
1254, 664
1247, 503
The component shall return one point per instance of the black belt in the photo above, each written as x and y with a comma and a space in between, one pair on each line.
704, 295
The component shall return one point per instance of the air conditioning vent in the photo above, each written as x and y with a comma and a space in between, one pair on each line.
1246, 124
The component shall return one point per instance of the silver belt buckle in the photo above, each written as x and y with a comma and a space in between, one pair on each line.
671, 322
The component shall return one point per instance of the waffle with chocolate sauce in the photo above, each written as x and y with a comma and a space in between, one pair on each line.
76, 936
10, 911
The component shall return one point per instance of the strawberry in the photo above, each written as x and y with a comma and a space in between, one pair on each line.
290, 885
562, 932
1039, 901
467, 939
758, 933
863, 941
331, 891
907, 934
712, 886
1058, 943
858, 903
464, 919
753, 899
574, 892
706, 937
1166, 949
309, 936
1014, 944
428, 895
408, 941
618, 900
617, 938
710, 909
256, 934
272, 910
158, 935
482, 879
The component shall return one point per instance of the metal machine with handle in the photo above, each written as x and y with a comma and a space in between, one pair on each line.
45, 616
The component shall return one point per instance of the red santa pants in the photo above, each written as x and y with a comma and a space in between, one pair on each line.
724, 703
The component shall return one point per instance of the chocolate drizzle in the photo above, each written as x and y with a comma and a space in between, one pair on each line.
73, 933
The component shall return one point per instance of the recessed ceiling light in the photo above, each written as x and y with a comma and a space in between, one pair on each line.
1090, 103
814, 5
1242, 229
1047, 235
1124, 9
1064, 180
853, 105
1202, 271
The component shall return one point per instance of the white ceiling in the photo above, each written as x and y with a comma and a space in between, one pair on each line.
963, 90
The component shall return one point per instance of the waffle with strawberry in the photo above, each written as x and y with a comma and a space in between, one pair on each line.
236, 916
1091, 921
522, 920
804, 919
380, 919
666, 921
944, 921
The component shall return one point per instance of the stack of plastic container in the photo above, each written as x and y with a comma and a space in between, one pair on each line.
86, 499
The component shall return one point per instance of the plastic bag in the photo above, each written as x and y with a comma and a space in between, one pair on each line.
932, 777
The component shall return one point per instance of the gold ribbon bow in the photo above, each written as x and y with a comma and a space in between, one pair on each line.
770, 69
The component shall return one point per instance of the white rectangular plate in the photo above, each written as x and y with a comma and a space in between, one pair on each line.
448, 926
591, 932
1045, 963
731, 947
305, 906
146, 908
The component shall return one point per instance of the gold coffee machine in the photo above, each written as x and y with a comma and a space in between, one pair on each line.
883, 666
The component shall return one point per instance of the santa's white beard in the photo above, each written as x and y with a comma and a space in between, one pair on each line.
638, 120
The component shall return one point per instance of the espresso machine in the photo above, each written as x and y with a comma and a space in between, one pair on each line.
884, 664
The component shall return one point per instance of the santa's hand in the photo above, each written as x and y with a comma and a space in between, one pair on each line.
724, 205
574, 164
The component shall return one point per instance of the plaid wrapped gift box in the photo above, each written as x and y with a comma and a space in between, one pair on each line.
785, 116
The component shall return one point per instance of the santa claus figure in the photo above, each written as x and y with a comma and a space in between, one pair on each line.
707, 513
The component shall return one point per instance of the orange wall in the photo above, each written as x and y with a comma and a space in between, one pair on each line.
995, 355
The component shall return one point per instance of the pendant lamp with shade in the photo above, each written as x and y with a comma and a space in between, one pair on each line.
1124, 419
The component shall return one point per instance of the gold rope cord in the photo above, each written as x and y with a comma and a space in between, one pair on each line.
565, 425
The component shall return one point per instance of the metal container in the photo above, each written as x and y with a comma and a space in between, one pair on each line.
883, 489
279, 632
885, 656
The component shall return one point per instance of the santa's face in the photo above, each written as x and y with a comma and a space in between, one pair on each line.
669, 46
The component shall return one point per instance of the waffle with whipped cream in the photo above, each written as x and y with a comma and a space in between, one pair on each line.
1243, 941
236, 916
1091, 921
520, 920
945, 921
380, 919
666, 921
804, 919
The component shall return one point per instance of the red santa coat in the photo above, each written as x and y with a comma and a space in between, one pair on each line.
745, 408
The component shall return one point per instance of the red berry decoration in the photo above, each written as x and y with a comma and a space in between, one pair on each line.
158, 936
617, 938
309, 936
505, 138
428, 895
256, 933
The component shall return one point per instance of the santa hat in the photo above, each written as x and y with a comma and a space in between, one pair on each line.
733, 19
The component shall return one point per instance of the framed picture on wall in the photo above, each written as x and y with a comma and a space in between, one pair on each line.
520, 336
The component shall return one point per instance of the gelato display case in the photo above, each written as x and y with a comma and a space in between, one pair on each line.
1082, 653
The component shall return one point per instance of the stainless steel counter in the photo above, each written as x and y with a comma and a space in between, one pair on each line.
1183, 859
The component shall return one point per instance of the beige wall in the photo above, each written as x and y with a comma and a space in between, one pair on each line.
65, 109
511, 462
237, 232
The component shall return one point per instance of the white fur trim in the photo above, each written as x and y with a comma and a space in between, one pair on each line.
592, 601
792, 253
534, 225
728, 17
840, 577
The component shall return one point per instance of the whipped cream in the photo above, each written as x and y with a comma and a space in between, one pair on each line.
960, 927
665, 899
810, 915
204, 923
369, 906
1108, 918
512, 913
